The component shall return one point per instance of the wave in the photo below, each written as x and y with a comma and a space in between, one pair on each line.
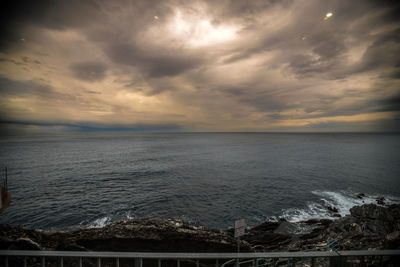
331, 204
328, 205
98, 223
105, 220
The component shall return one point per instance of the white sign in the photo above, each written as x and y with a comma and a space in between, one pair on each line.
240, 226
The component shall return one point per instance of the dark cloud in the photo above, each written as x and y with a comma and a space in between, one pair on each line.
383, 52
29, 60
306, 64
12, 61
89, 71
87, 127
249, 9
388, 104
10, 87
16, 15
395, 74
155, 63
284, 60
31, 89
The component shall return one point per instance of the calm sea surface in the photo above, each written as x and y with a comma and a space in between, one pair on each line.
88, 180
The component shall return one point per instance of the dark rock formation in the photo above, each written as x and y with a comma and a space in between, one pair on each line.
380, 200
361, 195
269, 235
150, 234
332, 209
367, 227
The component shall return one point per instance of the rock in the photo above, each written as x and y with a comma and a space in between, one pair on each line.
266, 227
325, 221
332, 209
24, 244
286, 228
393, 236
361, 195
4, 243
312, 221
367, 226
314, 233
393, 240
270, 235
68, 246
337, 215
371, 211
380, 200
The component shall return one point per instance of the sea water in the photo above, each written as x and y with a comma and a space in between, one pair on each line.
80, 180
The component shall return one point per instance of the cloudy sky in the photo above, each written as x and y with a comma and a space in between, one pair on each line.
227, 65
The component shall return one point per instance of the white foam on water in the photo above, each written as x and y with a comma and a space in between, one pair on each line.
343, 201
98, 223
312, 211
106, 220
129, 215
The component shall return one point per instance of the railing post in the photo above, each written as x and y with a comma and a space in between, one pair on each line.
311, 259
138, 262
362, 260
336, 261
292, 261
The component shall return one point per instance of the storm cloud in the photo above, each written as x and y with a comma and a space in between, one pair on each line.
229, 65
89, 71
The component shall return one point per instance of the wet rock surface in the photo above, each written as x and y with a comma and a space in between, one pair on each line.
367, 227
148, 234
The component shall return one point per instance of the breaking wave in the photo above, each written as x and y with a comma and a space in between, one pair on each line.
105, 220
332, 205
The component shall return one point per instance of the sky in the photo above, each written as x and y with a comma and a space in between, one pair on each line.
227, 65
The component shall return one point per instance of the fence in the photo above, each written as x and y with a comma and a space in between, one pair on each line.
312, 258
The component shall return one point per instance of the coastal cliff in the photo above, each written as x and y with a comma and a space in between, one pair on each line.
366, 227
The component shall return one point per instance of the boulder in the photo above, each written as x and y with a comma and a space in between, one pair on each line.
360, 196
367, 226
286, 228
24, 244
380, 200
393, 236
325, 221
332, 209
312, 221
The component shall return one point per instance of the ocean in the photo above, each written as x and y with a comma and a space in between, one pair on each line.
82, 180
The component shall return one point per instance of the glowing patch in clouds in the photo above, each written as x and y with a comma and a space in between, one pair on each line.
200, 31
328, 15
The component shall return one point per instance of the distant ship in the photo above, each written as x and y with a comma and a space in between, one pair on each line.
5, 197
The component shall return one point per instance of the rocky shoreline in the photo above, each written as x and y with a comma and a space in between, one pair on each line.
366, 227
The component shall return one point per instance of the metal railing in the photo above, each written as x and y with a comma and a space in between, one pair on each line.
332, 258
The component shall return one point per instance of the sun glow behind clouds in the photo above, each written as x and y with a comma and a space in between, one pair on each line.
199, 31
328, 15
